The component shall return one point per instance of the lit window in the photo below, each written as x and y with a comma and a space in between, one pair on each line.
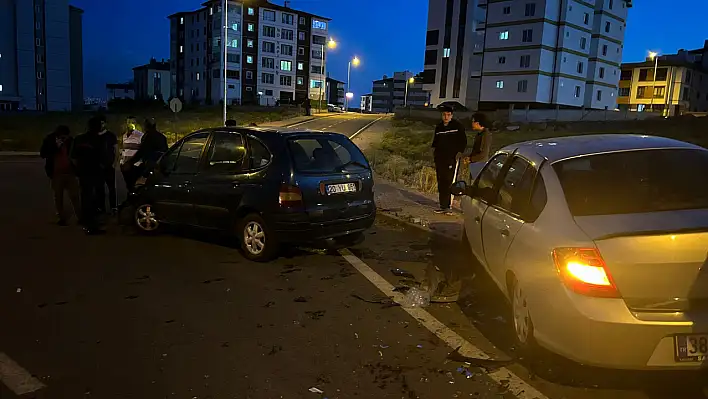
500, 84
300, 80
181, 20
446, 53
234, 43
300, 66
251, 28
286, 65
234, 26
198, 76
315, 84
181, 49
249, 59
251, 11
504, 35
0, 87
319, 24
249, 43
211, 11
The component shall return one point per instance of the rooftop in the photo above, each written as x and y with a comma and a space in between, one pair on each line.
255, 3
156, 65
560, 148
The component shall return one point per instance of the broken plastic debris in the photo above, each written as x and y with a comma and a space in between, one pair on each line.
487, 364
419, 346
19, 290
315, 390
383, 346
416, 298
402, 273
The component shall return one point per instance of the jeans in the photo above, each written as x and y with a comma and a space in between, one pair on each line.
109, 180
445, 171
66, 183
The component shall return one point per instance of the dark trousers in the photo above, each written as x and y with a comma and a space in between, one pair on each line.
63, 185
91, 185
445, 171
109, 181
130, 177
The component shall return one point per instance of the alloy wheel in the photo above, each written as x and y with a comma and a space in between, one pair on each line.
254, 237
522, 318
146, 219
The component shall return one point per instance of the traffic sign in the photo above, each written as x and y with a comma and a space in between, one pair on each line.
176, 105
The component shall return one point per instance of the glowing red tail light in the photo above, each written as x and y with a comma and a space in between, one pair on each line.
584, 271
290, 197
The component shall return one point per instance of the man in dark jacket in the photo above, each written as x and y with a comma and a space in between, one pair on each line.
56, 150
110, 150
89, 154
448, 145
153, 145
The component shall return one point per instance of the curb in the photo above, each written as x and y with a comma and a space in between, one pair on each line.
18, 154
406, 223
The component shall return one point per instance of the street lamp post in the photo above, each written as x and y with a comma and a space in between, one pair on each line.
331, 44
405, 97
356, 62
654, 56
226, 38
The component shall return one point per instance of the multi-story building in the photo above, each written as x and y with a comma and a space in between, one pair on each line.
488, 54
671, 84
120, 91
152, 81
367, 101
41, 55
335, 92
273, 53
403, 89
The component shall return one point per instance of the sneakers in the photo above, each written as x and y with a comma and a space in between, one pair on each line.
444, 211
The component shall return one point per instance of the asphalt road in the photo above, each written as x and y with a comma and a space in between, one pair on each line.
183, 315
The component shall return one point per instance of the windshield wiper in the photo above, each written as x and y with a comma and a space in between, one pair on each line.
356, 163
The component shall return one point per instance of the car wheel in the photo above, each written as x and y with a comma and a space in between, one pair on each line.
145, 219
521, 318
257, 241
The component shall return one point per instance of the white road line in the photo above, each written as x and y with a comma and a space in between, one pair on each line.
16, 378
368, 125
502, 376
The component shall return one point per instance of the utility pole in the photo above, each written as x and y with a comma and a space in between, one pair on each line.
226, 47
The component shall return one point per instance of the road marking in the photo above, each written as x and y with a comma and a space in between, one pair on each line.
19, 380
502, 376
368, 125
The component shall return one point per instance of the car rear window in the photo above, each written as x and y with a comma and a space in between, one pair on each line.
635, 181
325, 154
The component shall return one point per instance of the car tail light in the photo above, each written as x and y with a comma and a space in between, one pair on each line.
290, 196
584, 271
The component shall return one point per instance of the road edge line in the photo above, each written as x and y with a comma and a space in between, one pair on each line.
17, 379
306, 121
502, 376
368, 125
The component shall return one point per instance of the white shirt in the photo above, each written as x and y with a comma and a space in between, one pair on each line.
131, 144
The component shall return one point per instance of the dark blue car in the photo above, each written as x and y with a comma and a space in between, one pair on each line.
268, 187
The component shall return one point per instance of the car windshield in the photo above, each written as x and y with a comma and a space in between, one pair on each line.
325, 154
635, 181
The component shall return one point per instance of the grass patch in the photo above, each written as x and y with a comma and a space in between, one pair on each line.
25, 131
404, 154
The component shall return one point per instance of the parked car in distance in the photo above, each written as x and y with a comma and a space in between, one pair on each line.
269, 187
334, 108
599, 243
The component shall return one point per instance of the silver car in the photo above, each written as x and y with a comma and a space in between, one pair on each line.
600, 244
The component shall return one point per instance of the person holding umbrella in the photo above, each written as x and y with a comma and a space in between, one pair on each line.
449, 142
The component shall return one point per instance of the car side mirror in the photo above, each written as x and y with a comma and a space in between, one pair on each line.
459, 188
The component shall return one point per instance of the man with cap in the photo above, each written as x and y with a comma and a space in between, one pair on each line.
448, 145
130, 145
152, 146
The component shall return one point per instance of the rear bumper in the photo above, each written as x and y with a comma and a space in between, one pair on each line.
307, 232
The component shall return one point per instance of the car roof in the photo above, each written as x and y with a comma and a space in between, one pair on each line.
559, 148
285, 131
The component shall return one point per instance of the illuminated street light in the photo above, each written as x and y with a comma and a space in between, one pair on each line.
356, 63
350, 95
332, 45
410, 80
655, 57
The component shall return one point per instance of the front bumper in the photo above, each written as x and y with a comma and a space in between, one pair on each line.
290, 231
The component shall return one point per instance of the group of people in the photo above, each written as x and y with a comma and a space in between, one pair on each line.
84, 167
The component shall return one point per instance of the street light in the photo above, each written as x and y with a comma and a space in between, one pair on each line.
331, 44
654, 56
411, 80
226, 41
356, 63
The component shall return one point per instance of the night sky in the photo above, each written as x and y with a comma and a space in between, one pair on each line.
387, 35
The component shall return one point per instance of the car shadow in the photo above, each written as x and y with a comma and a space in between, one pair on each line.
488, 309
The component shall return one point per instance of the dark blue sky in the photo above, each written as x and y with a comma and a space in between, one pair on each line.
387, 35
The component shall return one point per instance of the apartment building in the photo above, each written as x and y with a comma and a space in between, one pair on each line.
402, 89
41, 55
152, 81
366, 104
488, 54
273, 53
672, 84
335, 92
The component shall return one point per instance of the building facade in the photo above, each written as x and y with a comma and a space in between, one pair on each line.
673, 85
152, 81
488, 54
403, 89
274, 54
335, 92
367, 101
41, 55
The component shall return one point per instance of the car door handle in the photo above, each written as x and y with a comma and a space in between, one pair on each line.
477, 219
504, 232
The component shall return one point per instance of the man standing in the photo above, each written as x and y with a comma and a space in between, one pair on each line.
481, 148
109, 160
89, 156
448, 145
56, 150
152, 146
130, 145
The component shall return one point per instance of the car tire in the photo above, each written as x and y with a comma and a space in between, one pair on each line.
145, 219
521, 319
258, 242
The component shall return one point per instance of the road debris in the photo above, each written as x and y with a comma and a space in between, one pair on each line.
302, 299
487, 364
416, 298
315, 390
388, 302
398, 272
19, 290
316, 315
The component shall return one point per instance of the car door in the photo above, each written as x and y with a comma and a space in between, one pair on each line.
503, 219
172, 192
474, 207
218, 187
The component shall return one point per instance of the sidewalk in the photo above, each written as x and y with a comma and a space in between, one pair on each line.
404, 204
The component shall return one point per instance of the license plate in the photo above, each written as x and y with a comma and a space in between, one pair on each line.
341, 188
691, 348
